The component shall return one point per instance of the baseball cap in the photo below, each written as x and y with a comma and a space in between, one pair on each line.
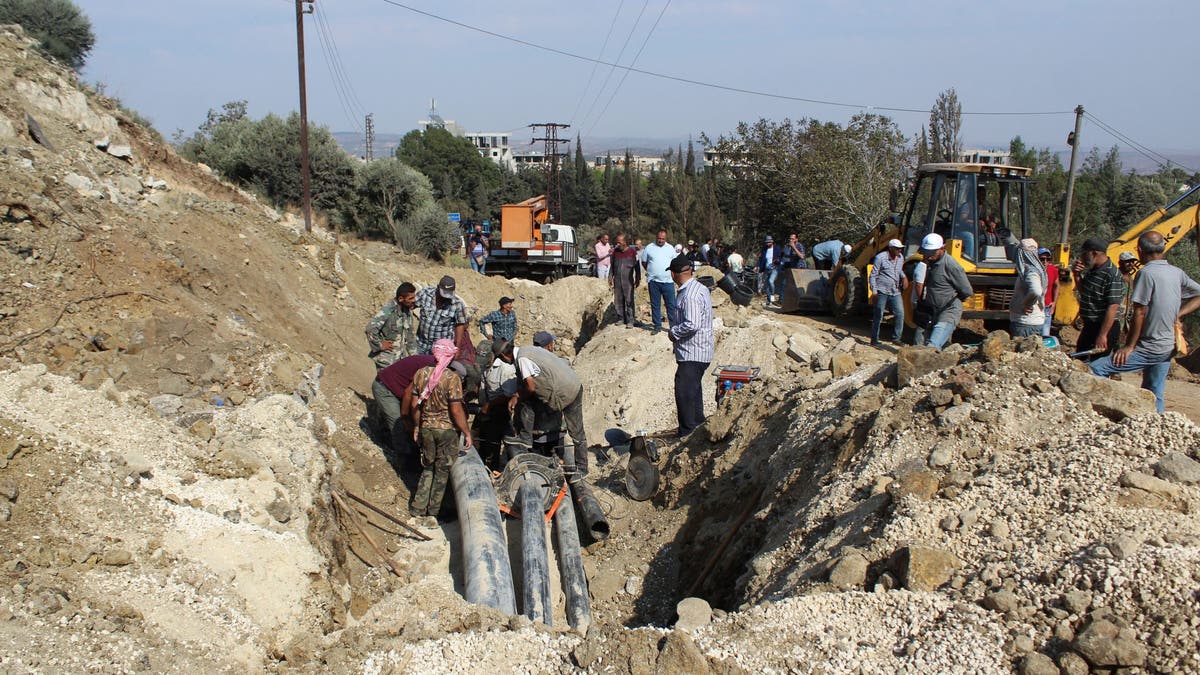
1095, 244
691, 242
769, 239
680, 263
1043, 251
1126, 256
505, 300
499, 346
932, 242
446, 287
895, 243
542, 338
458, 368
845, 248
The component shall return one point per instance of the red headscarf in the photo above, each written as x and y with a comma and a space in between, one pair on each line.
444, 351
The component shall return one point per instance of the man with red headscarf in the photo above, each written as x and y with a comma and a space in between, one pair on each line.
438, 395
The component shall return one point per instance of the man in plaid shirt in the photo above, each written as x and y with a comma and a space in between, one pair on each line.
503, 322
443, 315
1101, 291
692, 337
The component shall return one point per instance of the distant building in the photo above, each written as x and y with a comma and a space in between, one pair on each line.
530, 158
985, 156
493, 145
716, 157
641, 164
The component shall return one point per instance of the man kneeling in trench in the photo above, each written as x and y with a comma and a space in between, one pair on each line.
439, 412
548, 386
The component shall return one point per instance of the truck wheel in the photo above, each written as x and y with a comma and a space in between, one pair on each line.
849, 291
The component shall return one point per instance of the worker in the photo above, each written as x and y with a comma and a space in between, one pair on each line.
626, 275
793, 254
693, 253
443, 315
502, 322
1129, 265
827, 254
392, 332
736, 263
1052, 288
389, 389
477, 247
944, 289
692, 340
544, 339
1158, 295
656, 259
1101, 291
494, 422
548, 385
888, 283
603, 256
767, 269
1026, 312
437, 396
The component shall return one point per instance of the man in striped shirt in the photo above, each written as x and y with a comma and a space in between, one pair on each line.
692, 337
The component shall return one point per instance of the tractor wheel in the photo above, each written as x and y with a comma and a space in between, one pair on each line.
849, 291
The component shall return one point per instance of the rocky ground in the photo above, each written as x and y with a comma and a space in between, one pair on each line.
183, 386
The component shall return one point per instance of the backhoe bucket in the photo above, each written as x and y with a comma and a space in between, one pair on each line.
804, 290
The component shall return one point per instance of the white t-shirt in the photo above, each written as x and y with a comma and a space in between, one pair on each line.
918, 278
736, 263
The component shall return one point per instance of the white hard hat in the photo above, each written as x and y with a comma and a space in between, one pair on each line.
932, 242
895, 243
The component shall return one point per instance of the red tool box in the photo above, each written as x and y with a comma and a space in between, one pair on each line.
732, 378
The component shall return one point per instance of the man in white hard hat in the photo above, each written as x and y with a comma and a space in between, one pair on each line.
888, 283
946, 286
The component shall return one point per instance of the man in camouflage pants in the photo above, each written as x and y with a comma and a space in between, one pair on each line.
438, 398
392, 332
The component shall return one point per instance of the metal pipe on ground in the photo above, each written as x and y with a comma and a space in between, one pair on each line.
487, 571
570, 568
589, 510
535, 560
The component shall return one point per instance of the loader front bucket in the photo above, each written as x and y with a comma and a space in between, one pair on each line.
804, 290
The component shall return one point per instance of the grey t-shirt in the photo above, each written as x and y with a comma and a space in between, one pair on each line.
1162, 287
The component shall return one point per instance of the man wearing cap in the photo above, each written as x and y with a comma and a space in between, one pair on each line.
888, 283
443, 315
693, 340
392, 332
656, 258
548, 385
767, 269
503, 323
827, 254
1052, 288
1158, 303
1026, 310
1101, 291
946, 286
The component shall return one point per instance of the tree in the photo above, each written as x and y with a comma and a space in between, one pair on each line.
387, 193
63, 31
945, 127
454, 166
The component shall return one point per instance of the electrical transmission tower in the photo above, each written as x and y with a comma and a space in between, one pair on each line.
552, 156
370, 139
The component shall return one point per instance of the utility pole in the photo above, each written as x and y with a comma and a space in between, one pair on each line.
1073, 141
552, 155
370, 140
303, 7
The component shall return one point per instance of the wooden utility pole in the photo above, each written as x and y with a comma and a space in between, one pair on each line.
1073, 140
303, 7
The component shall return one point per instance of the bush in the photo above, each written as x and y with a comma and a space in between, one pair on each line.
386, 193
64, 32
427, 231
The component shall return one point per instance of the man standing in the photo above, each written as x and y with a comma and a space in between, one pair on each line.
626, 276
603, 257
503, 322
390, 387
1052, 288
1158, 294
548, 385
946, 286
827, 254
443, 315
1026, 310
692, 337
767, 269
657, 259
392, 332
737, 264
793, 254
888, 281
438, 399
477, 249
1100, 293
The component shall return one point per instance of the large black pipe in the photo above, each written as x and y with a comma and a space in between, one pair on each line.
570, 568
534, 556
589, 510
487, 571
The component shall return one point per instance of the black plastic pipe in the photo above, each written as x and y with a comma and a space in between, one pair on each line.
487, 571
589, 511
570, 568
534, 557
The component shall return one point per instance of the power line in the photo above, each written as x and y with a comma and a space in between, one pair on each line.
322, 16
626, 73
342, 97
612, 24
710, 85
608, 76
1157, 158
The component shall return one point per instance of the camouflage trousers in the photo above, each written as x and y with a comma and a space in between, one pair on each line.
438, 449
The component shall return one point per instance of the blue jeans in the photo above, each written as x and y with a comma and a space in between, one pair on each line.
937, 337
1154, 371
478, 267
665, 291
885, 302
1020, 330
766, 282
1049, 319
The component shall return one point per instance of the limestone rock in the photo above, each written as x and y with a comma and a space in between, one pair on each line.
9, 489
1105, 645
1178, 468
681, 655
815, 380
78, 182
955, 415
1001, 601
117, 558
1077, 601
941, 456
1148, 483
1036, 663
842, 365
280, 509
120, 151
779, 342
173, 384
923, 568
693, 613
920, 484
1070, 663
995, 344
1115, 400
849, 572
913, 362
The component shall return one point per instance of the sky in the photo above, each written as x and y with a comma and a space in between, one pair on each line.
1130, 64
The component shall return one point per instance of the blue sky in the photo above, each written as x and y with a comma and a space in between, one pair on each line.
1131, 64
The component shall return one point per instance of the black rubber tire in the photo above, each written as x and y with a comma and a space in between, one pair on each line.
848, 292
